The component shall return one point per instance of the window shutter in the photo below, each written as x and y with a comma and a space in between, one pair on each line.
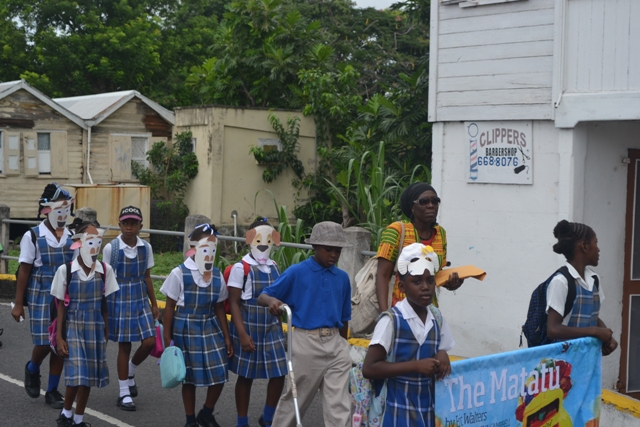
30, 148
120, 157
59, 166
12, 153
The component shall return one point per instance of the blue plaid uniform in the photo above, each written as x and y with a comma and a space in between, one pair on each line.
197, 332
586, 307
87, 361
130, 317
39, 286
411, 397
269, 358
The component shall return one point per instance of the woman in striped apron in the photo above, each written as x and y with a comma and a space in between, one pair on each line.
199, 327
258, 340
42, 250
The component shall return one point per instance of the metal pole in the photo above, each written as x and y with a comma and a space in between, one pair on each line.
292, 381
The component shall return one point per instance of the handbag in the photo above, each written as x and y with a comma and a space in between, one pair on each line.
364, 304
172, 367
158, 348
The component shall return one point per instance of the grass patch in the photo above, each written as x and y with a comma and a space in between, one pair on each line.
164, 263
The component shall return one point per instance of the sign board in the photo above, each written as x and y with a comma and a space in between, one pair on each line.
548, 386
499, 152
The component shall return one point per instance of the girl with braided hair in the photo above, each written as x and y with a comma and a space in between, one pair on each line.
43, 249
579, 245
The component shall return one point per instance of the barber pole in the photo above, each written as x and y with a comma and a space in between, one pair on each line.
472, 131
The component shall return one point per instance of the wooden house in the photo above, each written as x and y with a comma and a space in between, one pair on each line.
535, 107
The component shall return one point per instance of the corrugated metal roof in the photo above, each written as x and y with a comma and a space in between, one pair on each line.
8, 85
95, 108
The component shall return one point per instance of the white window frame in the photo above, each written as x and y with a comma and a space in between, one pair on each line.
143, 161
194, 141
262, 142
43, 155
473, 3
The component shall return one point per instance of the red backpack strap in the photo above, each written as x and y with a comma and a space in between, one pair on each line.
246, 267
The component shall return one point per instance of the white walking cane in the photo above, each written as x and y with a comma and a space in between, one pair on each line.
292, 381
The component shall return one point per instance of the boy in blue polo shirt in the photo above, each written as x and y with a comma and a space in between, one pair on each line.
319, 295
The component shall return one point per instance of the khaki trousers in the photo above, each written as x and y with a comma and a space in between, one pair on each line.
318, 363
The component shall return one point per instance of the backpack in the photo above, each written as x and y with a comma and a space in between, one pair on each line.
369, 406
25, 301
364, 304
535, 327
227, 273
172, 367
53, 308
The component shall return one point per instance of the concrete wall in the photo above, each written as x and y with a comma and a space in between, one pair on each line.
507, 229
228, 176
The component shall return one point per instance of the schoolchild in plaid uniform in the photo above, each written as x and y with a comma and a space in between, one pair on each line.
82, 325
579, 245
319, 295
418, 345
133, 308
38, 264
258, 340
199, 324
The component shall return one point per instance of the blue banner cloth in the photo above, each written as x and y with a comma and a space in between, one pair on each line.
552, 385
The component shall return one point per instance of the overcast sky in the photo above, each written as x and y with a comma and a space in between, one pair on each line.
378, 4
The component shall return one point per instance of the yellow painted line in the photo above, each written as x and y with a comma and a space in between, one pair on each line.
621, 402
8, 277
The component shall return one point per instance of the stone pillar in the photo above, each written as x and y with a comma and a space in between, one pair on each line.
5, 213
87, 214
190, 223
351, 259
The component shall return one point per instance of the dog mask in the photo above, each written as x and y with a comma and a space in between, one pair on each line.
57, 212
261, 239
205, 255
89, 244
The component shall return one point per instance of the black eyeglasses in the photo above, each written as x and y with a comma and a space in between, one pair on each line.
435, 201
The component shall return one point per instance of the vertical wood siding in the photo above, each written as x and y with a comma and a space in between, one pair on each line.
602, 46
21, 193
495, 61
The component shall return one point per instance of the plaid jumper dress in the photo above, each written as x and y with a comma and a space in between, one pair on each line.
411, 398
196, 331
269, 358
39, 286
87, 362
130, 317
586, 307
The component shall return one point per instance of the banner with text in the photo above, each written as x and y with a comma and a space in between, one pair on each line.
552, 385
499, 152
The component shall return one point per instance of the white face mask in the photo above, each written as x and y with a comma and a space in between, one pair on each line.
89, 243
57, 214
205, 256
261, 239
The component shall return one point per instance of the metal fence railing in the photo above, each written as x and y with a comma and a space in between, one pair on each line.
6, 222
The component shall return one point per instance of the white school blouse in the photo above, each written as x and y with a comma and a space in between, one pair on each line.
29, 252
383, 333
173, 286
129, 252
59, 282
237, 275
559, 288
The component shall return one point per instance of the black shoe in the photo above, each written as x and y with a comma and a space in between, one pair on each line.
133, 389
54, 398
192, 425
262, 422
206, 420
64, 421
125, 406
82, 424
31, 382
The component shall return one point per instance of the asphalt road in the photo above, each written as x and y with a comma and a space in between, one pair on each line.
155, 406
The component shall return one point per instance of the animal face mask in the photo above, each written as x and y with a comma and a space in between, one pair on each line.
57, 213
89, 244
261, 239
205, 254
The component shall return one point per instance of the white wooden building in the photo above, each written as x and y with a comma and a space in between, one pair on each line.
547, 93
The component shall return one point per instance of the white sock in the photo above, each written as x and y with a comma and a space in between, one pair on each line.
68, 413
124, 391
132, 372
77, 418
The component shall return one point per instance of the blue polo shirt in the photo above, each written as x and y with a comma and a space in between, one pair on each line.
319, 297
